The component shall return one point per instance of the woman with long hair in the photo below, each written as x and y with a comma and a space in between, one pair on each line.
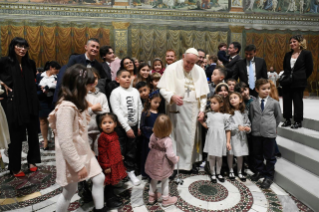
18, 73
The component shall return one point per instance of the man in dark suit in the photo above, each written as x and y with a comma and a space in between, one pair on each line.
107, 54
250, 69
233, 52
88, 59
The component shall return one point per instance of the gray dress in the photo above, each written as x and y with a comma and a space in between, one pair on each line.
238, 138
215, 144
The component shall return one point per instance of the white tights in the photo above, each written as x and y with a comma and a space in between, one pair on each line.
165, 187
213, 161
240, 160
70, 189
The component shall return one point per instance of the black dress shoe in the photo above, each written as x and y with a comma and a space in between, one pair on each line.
220, 178
194, 169
114, 202
104, 209
256, 176
266, 183
213, 178
172, 177
232, 176
296, 125
278, 155
287, 123
241, 177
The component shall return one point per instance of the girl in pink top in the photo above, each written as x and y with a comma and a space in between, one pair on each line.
160, 160
75, 160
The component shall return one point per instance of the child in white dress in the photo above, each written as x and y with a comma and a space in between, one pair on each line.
239, 125
4, 130
215, 145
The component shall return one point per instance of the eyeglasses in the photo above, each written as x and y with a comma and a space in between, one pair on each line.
22, 47
128, 63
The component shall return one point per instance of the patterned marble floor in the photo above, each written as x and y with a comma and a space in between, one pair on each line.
39, 192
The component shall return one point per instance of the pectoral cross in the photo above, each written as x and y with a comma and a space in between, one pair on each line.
188, 91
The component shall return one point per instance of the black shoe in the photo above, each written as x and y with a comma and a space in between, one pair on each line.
213, 178
256, 176
266, 183
287, 123
172, 177
194, 169
296, 125
220, 178
278, 155
241, 177
231, 176
113, 202
104, 209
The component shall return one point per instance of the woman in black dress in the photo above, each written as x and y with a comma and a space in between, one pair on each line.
46, 84
298, 62
18, 73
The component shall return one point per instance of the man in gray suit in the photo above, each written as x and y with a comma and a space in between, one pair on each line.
265, 116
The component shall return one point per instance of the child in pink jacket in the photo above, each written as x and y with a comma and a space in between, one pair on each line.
160, 160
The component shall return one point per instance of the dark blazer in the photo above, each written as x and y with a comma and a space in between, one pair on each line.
80, 59
107, 70
209, 71
58, 84
302, 69
240, 70
230, 66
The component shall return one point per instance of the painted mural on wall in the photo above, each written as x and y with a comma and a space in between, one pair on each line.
283, 6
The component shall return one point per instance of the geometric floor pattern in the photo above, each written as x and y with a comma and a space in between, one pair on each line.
38, 191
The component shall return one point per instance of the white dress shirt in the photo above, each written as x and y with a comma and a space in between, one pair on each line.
265, 101
88, 65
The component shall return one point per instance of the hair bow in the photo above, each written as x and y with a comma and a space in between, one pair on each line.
153, 93
83, 73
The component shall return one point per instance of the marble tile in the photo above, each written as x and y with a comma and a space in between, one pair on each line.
8, 201
43, 204
230, 187
172, 208
288, 204
51, 207
192, 179
252, 210
51, 188
231, 200
29, 196
1, 201
189, 198
137, 195
277, 189
259, 208
258, 195
26, 209
140, 209
252, 186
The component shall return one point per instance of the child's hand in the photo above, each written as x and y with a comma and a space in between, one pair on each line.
97, 107
139, 133
228, 146
82, 174
241, 128
247, 129
107, 171
123, 157
130, 134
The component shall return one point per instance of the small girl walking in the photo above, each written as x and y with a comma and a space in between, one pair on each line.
160, 160
75, 161
110, 157
149, 116
158, 66
215, 144
98, 104
239, 125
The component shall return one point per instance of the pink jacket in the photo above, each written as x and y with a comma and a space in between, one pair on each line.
161, 159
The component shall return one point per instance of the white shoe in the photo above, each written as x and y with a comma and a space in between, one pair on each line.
203, 164
133, 178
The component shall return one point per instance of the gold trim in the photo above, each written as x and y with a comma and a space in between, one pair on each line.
120, 25
121, 4
236, 29
236, 9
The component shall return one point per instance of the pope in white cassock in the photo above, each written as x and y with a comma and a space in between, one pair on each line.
184, 87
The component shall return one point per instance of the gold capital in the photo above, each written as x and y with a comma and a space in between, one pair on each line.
236, 29
120, 25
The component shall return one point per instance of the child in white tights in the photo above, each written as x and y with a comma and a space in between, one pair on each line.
75, 160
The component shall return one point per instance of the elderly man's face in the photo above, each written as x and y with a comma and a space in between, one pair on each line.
189, 60
201, 57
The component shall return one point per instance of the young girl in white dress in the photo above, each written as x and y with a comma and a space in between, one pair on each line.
4, 130
239, 125
215, 145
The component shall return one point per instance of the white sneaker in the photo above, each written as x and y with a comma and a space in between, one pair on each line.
203, 164
133, 178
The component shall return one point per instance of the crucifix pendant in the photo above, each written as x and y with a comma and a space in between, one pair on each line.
188, 91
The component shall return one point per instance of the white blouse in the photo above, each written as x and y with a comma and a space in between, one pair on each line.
292, 62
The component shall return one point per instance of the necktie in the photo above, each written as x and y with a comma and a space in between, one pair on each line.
251, 76
262, 105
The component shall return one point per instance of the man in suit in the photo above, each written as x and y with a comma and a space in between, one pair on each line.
250, 69
107, 54
233, 52
201, 57
88, 59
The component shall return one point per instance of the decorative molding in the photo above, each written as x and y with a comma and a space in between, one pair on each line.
120, 25
236, 29
236, 9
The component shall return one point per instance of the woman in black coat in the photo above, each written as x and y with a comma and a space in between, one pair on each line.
18, 73
299, 62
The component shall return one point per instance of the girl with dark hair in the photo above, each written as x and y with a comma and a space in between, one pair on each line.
143, 74
75, 161
128, 63
46, 84
158, 66
21, 105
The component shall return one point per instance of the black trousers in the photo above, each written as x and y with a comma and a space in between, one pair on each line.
264, 149
128, 148
17, 136
293, 96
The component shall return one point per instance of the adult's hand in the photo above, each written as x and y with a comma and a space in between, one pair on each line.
177, 100
6, 87
201, 116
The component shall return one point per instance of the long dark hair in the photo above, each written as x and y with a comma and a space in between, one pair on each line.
53, 64
139, 77
11, 52
241, 105
73, 86
147, 104
122, 63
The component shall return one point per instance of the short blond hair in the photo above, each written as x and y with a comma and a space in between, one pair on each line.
162, 126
